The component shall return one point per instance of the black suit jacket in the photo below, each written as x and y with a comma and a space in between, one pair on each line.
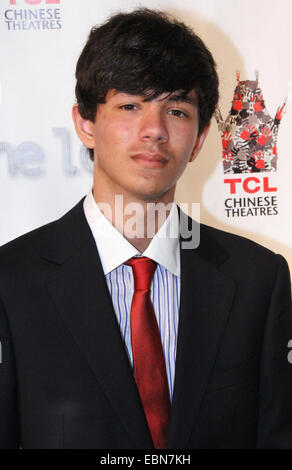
65, 379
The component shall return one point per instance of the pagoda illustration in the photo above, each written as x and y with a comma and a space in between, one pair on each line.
249, 134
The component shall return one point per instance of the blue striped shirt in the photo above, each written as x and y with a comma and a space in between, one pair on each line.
114, 250
165, 293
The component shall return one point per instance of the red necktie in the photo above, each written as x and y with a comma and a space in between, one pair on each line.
148, 358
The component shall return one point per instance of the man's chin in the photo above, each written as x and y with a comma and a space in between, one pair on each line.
157, 195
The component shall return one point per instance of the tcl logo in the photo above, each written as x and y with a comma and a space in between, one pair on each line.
250, 185
35, 2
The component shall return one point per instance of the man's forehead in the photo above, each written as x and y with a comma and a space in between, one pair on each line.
177, 95
180, 95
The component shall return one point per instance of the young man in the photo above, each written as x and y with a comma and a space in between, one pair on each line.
114, 338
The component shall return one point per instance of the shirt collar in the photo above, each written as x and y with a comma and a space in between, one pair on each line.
114, 249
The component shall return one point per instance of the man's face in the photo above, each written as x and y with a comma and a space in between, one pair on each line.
141, 148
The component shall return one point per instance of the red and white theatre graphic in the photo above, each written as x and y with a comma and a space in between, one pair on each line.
249, 134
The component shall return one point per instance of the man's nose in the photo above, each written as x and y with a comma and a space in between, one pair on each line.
153, 127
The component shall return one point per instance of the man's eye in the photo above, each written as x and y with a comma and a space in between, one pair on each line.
128, 107
178, 113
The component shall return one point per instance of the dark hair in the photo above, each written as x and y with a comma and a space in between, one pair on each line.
145, 52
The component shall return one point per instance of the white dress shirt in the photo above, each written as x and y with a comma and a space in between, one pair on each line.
164, 248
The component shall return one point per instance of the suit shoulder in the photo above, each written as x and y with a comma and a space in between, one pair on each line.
27, 249
223, 243
236, 243
240, 253
242, 258
27, 244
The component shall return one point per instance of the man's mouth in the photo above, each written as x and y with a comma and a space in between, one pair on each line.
152, 160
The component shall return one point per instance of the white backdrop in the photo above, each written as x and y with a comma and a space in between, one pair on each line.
43, 168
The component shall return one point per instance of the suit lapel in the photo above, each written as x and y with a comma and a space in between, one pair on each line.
81, 296
206, 298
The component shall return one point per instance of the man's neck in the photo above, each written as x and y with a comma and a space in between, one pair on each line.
137, 219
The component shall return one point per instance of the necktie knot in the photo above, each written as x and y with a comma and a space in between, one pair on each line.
143, 271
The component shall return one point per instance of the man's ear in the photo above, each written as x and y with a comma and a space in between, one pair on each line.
83, 127
199, 143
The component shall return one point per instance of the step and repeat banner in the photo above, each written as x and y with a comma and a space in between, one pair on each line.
242, 177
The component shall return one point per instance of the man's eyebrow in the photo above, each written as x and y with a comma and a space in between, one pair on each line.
184, 99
